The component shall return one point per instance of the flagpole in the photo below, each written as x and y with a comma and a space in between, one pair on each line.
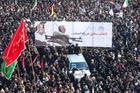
81, 50
38, 55
33, 71
18, 70
42, 68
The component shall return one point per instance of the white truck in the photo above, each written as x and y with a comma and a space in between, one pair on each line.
78, 62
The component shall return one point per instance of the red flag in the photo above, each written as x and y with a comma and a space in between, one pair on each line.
16, 44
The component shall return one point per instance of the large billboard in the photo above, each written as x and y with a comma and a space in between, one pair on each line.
85, 34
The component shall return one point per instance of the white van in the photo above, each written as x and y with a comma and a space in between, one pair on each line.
79, 63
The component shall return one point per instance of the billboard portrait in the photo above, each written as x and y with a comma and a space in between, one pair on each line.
85, 34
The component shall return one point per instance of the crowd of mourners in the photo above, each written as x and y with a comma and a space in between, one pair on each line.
43, 69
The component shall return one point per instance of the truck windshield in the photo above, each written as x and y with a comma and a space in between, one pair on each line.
78, 65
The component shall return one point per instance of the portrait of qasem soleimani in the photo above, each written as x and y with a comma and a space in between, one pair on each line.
40, 35
60, 37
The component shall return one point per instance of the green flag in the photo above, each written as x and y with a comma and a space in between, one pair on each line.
7, 71
125, 4
35, 4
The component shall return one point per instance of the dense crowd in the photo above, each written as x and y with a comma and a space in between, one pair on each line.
43, 69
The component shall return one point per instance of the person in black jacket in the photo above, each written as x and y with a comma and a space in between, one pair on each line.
76, 49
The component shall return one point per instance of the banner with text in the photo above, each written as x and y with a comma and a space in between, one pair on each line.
86, 34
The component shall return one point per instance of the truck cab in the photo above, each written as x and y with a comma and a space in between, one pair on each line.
77, 63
